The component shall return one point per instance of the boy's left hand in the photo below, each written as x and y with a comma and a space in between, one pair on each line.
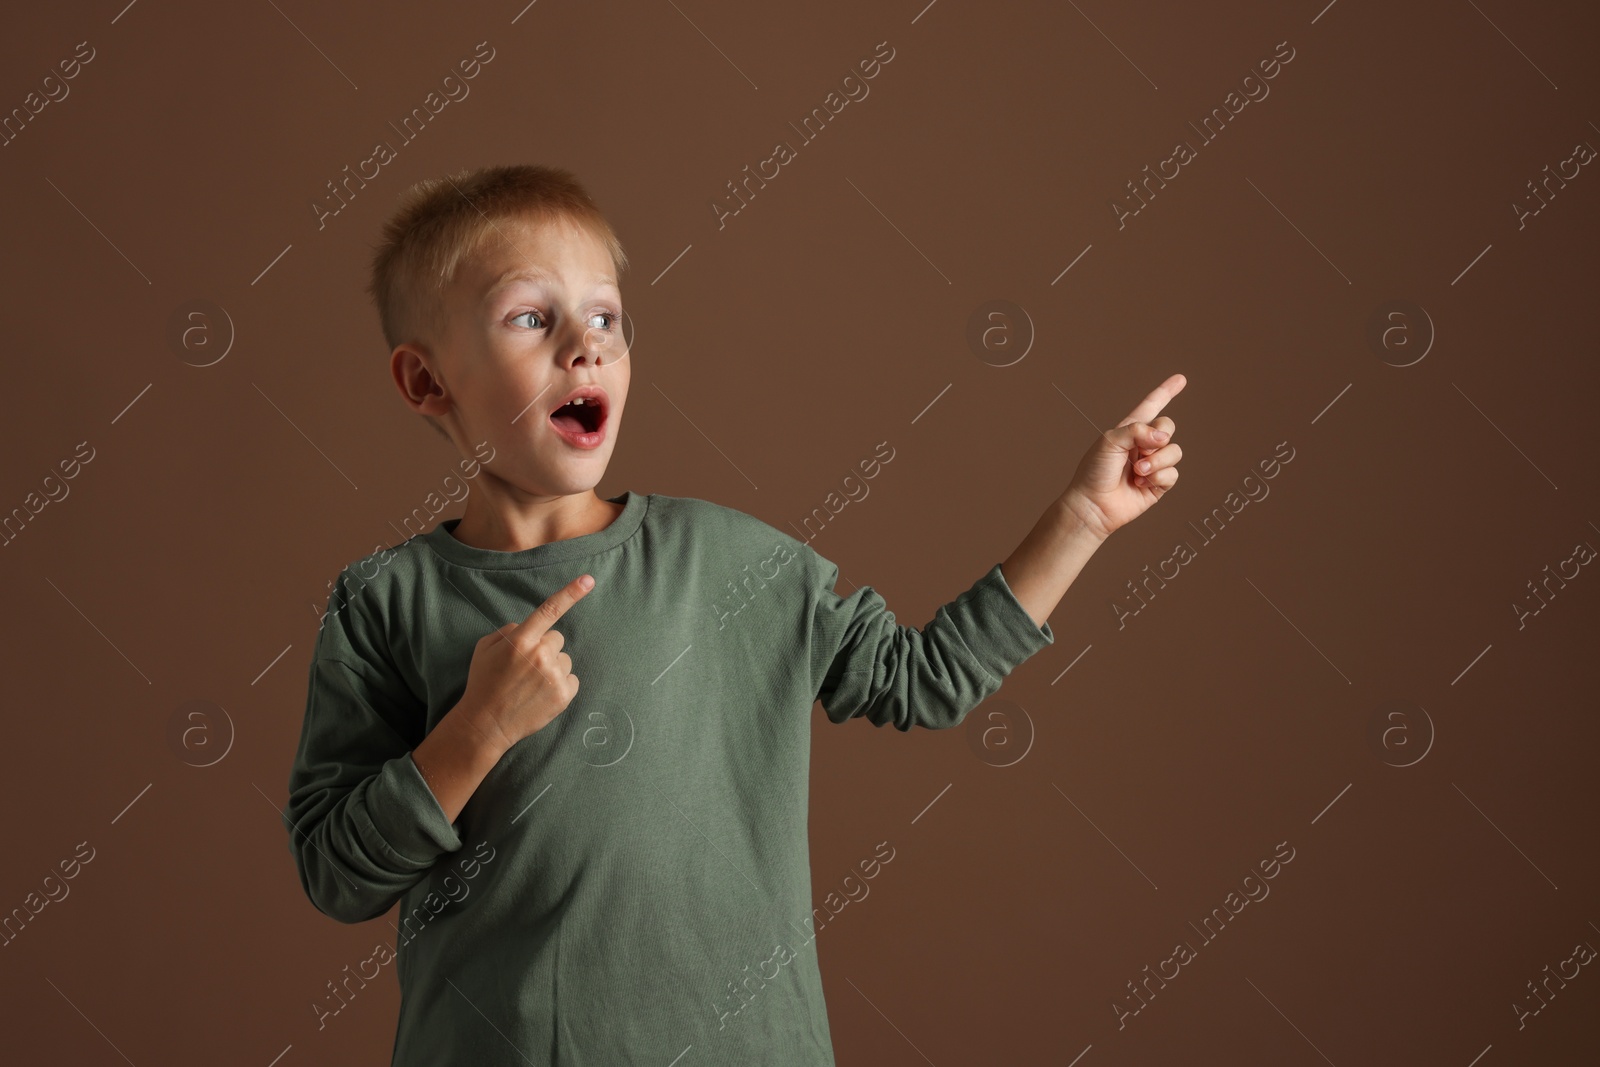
1112, 487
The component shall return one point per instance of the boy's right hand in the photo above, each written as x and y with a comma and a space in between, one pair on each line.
519, 678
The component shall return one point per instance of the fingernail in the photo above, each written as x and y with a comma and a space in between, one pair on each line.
1160, 435
1144, 466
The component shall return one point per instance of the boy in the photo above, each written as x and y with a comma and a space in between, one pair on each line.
620, 873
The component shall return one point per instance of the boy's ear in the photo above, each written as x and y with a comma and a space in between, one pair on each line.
409, 366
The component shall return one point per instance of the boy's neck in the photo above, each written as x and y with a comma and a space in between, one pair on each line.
499, 529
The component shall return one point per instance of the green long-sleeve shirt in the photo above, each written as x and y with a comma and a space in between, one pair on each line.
632, 883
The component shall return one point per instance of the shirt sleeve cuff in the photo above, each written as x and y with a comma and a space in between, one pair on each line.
1005, 634
407, 817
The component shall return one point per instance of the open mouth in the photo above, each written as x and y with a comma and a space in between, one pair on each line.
582, 415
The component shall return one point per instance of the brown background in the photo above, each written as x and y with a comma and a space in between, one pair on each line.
1234, 712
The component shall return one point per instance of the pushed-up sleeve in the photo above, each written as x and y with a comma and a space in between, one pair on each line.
866, 665
364, 825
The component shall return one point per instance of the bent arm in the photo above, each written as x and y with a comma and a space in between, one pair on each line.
364, 824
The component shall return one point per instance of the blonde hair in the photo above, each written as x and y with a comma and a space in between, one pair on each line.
441, 222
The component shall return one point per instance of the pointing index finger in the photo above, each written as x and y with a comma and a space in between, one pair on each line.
1151, 406
547, 614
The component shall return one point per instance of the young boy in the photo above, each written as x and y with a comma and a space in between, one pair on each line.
616, 874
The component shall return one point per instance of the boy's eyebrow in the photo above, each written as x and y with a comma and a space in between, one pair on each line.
535, 274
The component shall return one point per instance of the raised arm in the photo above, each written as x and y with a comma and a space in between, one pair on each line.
865, 664
1126, 470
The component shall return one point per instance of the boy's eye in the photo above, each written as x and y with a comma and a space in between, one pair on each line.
610, 322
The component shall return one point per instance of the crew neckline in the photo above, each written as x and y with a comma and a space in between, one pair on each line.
441, 539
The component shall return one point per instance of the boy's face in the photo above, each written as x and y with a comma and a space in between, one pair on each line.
517, 345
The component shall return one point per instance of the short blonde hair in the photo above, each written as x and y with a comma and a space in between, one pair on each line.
441, 222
